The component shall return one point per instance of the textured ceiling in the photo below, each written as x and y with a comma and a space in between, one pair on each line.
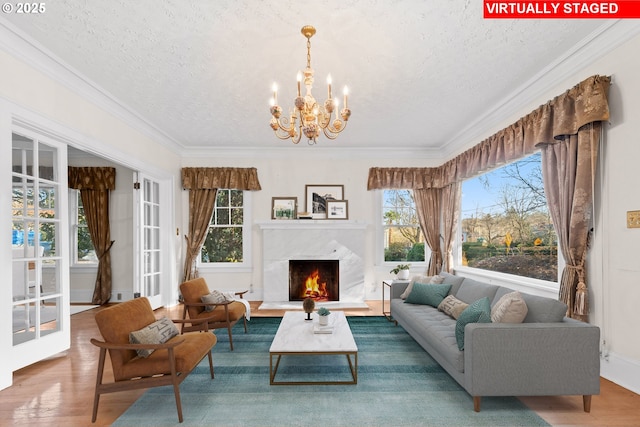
201, 71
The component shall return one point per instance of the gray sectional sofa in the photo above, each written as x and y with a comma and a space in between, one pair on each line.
547, 354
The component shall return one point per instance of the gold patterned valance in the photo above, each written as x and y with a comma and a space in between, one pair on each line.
564, 115
92, 178
230, 178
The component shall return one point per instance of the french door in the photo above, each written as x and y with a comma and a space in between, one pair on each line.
150, 273
40, 269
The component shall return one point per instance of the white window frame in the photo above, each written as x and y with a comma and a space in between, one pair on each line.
236, 267
73, 238
380, 261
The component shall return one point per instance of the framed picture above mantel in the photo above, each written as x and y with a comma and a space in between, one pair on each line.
317, 196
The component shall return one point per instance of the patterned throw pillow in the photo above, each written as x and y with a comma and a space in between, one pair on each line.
434, 280
428, 294
510, 308
452, 306
477, 312
158, 332
215, 297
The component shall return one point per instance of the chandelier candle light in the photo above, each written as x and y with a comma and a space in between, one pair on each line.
309, 117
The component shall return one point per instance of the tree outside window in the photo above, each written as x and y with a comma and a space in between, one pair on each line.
403, 239
506, 226
224, 241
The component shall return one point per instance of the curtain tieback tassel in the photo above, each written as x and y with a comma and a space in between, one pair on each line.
581, 306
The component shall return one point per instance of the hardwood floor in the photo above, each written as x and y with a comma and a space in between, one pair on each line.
59, 391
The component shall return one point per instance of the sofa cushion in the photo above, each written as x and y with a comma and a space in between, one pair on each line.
421, 279
450, 279
510, 308
452, 306
427, 294
158, 332
478, 312
544, 310
471, 290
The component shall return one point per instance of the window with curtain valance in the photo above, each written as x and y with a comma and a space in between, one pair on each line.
567, 131
203, 185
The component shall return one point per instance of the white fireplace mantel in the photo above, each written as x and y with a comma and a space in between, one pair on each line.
284, 240
300, 224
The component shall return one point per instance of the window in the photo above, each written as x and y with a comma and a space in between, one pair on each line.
84, 252
227, 242
403, 239
506, 226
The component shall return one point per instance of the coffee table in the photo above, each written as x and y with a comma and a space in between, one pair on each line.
295, 336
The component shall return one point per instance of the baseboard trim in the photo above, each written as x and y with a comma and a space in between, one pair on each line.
622, 371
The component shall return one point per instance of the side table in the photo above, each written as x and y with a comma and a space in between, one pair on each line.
388, 284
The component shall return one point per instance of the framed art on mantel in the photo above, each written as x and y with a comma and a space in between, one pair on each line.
284, 207
337, 209
316, 197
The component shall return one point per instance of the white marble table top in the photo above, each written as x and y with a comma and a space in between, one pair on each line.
295, 335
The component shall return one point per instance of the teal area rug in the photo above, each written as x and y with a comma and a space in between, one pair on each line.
399, 384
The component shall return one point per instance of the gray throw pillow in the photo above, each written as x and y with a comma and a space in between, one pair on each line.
215, 297
158, 332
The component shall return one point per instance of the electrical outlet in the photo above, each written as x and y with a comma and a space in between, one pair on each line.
633, 219
119, 296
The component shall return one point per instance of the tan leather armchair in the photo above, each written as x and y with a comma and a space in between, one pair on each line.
223, 315
169, 363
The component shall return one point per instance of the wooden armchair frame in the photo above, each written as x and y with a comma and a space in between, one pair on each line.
168, 375
205, 321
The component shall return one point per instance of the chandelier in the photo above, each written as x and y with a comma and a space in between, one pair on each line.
308, 117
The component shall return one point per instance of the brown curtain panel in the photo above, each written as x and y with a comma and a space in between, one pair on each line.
568, 168
450, 218
94, 184
563, 121
203, 184
428, 209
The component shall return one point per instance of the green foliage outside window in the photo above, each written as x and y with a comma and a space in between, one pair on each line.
224, 241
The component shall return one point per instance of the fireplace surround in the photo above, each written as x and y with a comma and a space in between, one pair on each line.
283, 241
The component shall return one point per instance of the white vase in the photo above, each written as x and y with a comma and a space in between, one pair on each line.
323, 320
403, 274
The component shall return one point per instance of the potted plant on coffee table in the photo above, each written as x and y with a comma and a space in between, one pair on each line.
323, 316
401, 271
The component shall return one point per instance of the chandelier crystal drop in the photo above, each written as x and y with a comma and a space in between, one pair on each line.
308, 117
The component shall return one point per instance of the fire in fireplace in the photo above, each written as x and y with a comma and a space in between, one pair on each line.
316, 279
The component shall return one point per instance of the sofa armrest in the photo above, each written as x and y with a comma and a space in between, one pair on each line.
532, 359
397, 289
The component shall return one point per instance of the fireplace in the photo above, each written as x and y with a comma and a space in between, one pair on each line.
316, 279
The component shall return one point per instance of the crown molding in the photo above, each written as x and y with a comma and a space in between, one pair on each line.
606, 38
26, 49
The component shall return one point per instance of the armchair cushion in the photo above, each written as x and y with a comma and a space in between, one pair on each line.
158, 332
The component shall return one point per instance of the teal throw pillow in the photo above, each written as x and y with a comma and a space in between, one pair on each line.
428, 294
477, 312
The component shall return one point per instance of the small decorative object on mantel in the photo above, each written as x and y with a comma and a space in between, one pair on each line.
323, 316
308, 305
305, 215
401, 271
